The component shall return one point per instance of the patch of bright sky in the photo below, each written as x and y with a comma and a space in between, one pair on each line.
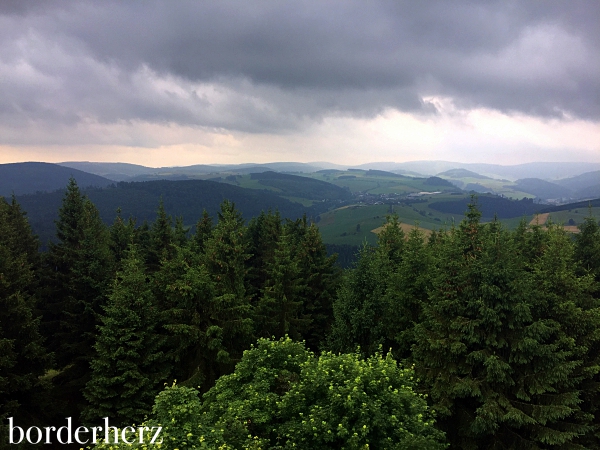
478, 135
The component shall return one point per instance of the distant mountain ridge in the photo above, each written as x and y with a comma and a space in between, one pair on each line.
549, 171
32, 177
544, 170
135, 172
583, 181
462, 173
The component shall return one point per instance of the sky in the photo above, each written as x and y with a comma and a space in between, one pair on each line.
164, 83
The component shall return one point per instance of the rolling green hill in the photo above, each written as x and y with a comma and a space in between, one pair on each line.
378, 182
462, 173
304, 187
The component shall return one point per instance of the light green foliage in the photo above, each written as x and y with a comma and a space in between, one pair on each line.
245, 404
286, 397
283, 396
344, 401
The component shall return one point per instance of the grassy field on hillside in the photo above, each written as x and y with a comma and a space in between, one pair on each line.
363, 181
569, 217
354, 224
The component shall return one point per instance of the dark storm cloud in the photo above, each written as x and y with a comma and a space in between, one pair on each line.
263, 65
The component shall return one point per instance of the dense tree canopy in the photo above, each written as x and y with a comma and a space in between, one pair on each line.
500, 327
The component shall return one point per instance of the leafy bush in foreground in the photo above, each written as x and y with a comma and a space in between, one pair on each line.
282, 396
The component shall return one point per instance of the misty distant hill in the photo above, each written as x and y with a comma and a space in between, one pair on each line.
543, 170
462, 173
583, 181
542, 189
135, 172
32, 177
437, 181
588, 192
383, 173
479, 188
112, 171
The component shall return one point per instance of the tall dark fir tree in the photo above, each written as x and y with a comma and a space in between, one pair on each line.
23, 358
129, 366
77, 274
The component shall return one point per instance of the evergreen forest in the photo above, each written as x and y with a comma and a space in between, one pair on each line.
247, 335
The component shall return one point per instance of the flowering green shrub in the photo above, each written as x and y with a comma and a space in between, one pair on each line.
283, 396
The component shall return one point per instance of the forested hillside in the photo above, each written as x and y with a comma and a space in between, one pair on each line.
32, 177
476, 337
187, 198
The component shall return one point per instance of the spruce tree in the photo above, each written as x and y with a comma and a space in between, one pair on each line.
499, 349
143, 240
279, 310
23, 358
263, 233
129, 365
359, 309
225, 259
407, 292
185, 297
204, 228
75, 282
363, 307
121, 236
180, 232
162, 239
90, 276
320, 282
390, 241
78, 269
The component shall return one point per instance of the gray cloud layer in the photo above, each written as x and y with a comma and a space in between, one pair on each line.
266, 66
